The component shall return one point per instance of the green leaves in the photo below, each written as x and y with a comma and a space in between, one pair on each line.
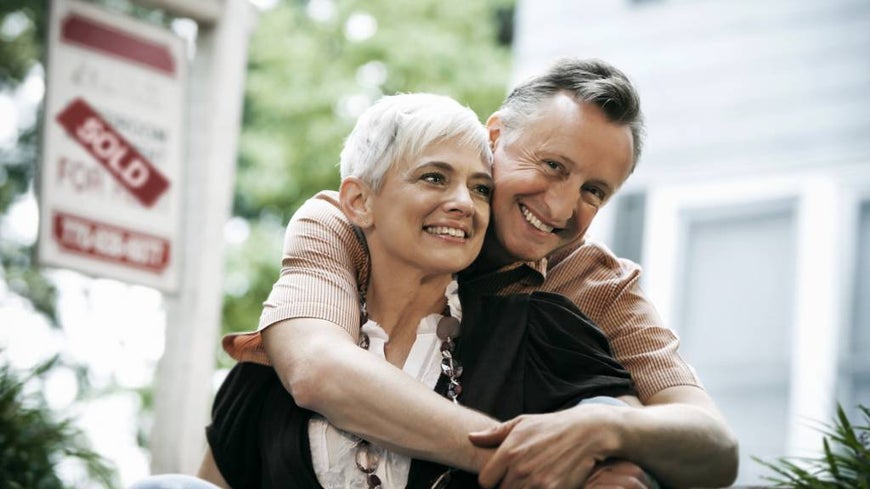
34, 440
844, 463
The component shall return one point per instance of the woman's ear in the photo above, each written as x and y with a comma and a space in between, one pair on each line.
355, 197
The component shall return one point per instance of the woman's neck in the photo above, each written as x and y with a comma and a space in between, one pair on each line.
398, 301
398, 298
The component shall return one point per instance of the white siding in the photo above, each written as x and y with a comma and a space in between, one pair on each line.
742, 84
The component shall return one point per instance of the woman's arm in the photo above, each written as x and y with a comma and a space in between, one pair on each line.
208, 470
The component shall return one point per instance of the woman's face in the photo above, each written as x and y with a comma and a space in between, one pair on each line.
431, 213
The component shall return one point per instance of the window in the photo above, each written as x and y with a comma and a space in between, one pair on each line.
628, 233
763, 278
734, 308
855, 364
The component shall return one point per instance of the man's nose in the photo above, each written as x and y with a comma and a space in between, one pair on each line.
561, 199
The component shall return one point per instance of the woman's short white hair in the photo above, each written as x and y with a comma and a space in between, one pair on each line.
398, 128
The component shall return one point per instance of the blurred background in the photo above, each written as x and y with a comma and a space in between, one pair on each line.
749, 210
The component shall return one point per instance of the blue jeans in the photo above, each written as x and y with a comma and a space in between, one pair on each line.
172, 481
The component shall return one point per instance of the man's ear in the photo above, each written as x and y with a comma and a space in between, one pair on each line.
355, 198
494, 127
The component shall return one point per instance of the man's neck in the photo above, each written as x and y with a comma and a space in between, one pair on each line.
491, 257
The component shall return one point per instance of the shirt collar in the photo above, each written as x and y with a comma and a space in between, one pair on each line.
539, 267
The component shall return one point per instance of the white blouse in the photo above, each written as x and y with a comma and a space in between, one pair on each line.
333, 451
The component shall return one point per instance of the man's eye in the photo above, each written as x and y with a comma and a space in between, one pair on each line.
436, 178
595, 192
555, 166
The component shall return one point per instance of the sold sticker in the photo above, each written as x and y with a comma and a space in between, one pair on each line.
116, 154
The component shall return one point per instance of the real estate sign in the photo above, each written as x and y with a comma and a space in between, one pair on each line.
112, 147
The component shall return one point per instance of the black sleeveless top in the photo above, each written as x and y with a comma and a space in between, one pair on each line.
522, 354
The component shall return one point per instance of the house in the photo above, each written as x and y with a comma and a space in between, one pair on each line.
750, 208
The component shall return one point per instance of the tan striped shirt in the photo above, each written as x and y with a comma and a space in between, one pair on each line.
324, 261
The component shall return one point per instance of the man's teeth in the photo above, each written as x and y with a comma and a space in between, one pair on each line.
534, 221
456, 233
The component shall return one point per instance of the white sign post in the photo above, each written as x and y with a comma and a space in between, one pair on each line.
183, 391
113, 145
120, 142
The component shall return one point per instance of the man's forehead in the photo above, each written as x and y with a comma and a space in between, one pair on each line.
557, 105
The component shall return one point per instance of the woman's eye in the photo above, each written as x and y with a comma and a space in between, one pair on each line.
483, 190
433, 178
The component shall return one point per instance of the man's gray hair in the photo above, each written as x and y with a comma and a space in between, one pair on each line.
399, 128
587, 80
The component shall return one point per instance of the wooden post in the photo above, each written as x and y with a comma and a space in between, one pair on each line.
183, 390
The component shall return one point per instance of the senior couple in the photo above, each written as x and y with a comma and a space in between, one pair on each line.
412, 341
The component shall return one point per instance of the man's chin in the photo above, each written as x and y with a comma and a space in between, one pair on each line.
525, 254
497, 254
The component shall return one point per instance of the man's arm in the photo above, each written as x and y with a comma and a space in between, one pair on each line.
328, 373
685, 420
679, 437
619, 474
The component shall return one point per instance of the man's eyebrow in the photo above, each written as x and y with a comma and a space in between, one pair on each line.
558, 156
568, 160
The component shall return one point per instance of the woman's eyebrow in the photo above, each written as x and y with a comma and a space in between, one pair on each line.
442, 165
448, 168
482, 175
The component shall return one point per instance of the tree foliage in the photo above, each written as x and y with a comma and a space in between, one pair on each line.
21, 50
310, 72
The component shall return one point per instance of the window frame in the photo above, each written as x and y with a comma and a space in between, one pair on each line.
826, 200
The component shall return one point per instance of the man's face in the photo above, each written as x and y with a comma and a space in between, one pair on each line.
551, 176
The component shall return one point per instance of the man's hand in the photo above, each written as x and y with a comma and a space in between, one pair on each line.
620, 474
679, 436
555, 450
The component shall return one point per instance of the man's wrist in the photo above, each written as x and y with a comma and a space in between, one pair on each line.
479, 458
612, 426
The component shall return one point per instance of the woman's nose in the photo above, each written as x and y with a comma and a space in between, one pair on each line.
461, 201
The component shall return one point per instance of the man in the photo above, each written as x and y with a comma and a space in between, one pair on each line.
563, 144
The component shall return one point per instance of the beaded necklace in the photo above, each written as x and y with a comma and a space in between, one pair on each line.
368, 457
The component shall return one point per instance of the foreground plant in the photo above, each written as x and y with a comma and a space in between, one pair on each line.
33, 441
844, 463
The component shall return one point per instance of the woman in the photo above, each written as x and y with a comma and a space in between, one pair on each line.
416, 187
